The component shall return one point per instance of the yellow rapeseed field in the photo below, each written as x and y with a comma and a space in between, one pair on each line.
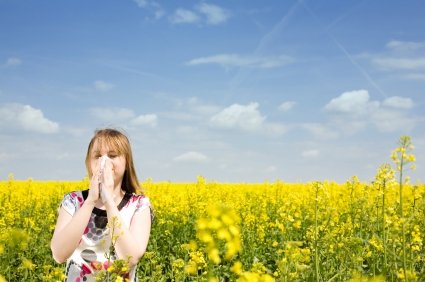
209, 231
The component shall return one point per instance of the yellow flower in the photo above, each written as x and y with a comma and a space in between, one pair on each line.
297, 224
267, 278
237, 268
214, 255
205, 236
26, 263
192, 268
178, 263
224, 234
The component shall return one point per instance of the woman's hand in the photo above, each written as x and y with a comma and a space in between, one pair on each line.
108, 184
94, 192
102, 181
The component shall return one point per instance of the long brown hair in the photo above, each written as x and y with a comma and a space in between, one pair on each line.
117, 140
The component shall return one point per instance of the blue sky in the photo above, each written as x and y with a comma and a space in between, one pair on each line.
236, 91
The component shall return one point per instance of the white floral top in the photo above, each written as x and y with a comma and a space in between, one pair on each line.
90, 254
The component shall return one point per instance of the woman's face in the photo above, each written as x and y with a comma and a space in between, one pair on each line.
118, 161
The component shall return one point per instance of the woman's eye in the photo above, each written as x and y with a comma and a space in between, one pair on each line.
112, 156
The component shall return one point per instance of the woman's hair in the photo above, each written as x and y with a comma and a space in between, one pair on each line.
118, 141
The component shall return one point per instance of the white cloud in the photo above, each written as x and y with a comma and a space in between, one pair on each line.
405, 45
353, 102
235, 60
197, 106
159, 13
149, 120
208, 13
355, 111
391, 121
271, 168
184, 16
191, 157
239, 116
12, 62
112, 114
124, 115
154, 6
415, 76
399, 63
141, 3
286, 106
320, 131
103, 86
398, 102
405, 59
310, 153
27, 118
215, 14
275, 128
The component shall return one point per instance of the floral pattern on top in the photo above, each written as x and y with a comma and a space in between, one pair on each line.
90, 255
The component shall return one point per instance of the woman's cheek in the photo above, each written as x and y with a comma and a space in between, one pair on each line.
93, 167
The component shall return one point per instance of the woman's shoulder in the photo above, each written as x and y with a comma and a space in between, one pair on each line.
78, 195
138, 202
139, 199
75, 194
72, 201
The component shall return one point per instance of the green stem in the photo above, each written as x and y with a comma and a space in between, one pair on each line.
383, 226
403, 227
316, 251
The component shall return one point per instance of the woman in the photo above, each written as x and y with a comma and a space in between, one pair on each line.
107, 222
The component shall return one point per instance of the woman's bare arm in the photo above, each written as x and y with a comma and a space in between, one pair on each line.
69, 230
131, 241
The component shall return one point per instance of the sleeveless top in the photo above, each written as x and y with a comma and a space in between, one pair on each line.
94, 247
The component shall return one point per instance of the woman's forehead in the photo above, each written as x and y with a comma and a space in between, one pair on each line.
103, 146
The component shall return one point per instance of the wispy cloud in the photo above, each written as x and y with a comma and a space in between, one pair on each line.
235, 60
202, 13
191, 156
320, 131
112, 114
214, 14
414, 76
276, 129
388, 120
405, 59
398, 102
239, 116
154, 6
405, 45
184, 16
124, 115
25, 117
389, 63
150, 120
103, 86
12, 62
354, 111
313, 153
141, 3
195, 105
286, 106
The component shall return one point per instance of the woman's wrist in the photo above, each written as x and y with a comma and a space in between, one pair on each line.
110, 204
90, 203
